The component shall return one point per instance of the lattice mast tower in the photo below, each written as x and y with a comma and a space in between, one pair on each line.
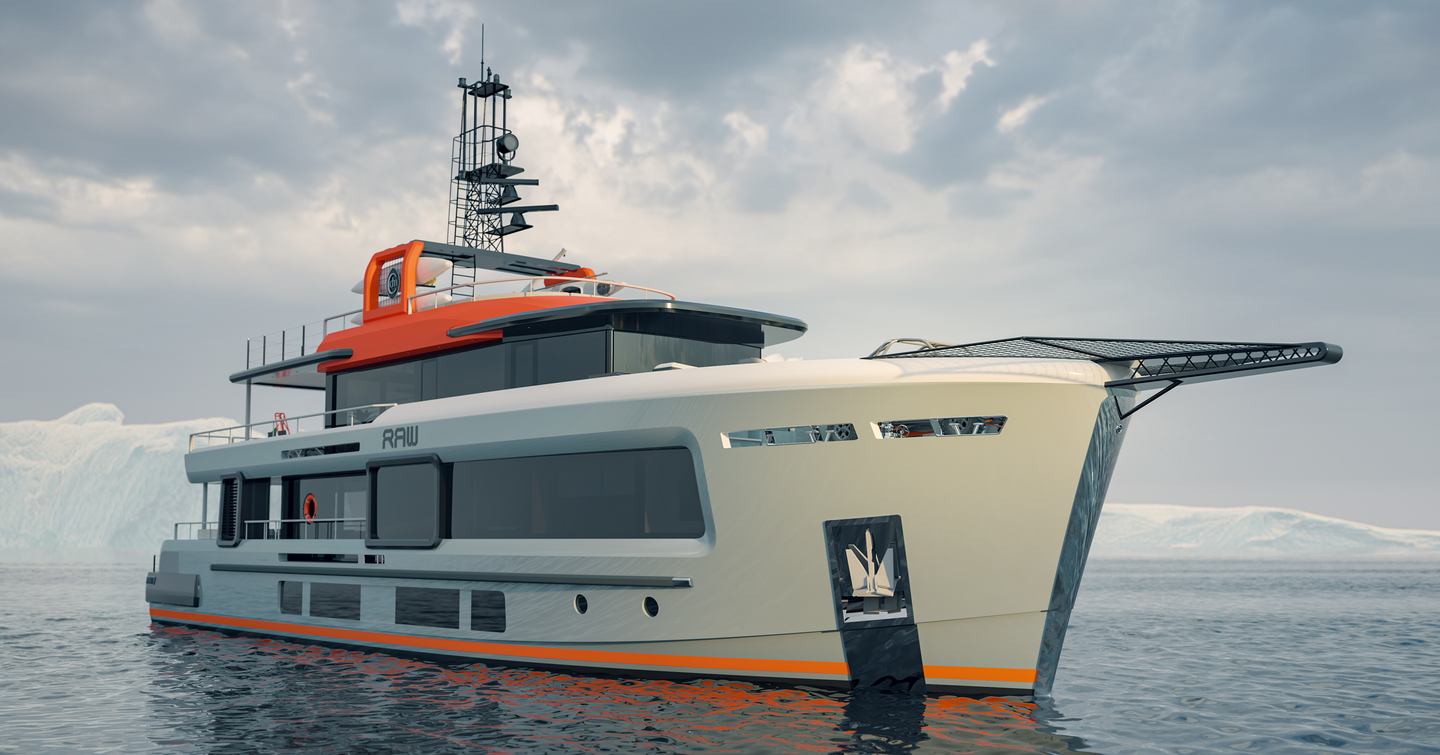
483, 184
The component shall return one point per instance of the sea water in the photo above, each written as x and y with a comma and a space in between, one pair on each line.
1177, 656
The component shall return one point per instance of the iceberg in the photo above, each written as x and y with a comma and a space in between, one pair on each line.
90, 481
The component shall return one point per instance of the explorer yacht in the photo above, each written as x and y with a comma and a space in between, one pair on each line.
548, 467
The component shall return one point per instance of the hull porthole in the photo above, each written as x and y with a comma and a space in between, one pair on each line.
581, 604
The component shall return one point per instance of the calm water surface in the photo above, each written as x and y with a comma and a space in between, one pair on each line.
1162, 656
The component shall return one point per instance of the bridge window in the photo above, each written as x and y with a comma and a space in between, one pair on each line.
519, 362
514, 364
641, 352
647, 493
557, 359
391, 384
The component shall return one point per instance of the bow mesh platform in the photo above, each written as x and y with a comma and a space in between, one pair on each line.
1151, 362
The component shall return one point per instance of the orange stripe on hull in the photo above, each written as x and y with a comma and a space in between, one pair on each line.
979, 674
509, 650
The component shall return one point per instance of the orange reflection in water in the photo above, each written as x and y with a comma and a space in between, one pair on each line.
502, 708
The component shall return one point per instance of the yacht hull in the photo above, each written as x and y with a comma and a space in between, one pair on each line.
991, 530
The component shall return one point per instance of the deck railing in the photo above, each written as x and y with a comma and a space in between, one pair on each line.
305, 529
278, 529
277, 427
554, 285
297, 341
195, 530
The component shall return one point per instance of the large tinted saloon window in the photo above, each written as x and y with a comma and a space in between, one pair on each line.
613, 494
406, 505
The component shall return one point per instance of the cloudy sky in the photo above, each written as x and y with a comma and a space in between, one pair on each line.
176, 177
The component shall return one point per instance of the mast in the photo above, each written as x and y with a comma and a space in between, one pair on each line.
484, 188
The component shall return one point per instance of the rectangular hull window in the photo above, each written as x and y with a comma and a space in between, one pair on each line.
291, 596
487, 611
427, 607
941, 427
334, 601
788, 436
612, 494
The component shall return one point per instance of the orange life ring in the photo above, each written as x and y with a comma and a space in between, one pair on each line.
308, 508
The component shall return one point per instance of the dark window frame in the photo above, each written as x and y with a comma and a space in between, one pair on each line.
442, 502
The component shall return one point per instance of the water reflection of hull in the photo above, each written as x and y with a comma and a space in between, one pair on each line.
408, 704
731, 658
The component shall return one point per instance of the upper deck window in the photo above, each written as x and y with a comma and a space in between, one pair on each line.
642, 352
533, 360
513, 364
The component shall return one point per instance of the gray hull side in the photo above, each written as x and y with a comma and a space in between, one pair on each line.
1100, 461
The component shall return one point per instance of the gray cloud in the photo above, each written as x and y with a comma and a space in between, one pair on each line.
177, 177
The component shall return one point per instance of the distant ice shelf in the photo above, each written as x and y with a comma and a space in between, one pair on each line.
89, 481
1141, 530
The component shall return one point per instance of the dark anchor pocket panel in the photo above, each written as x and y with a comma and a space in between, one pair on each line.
870, 584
